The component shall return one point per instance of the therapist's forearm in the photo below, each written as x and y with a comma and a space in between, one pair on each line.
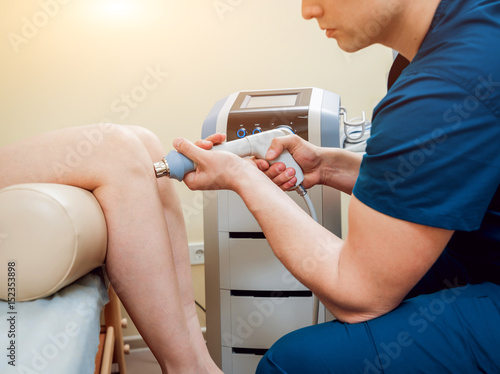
308, 250
340, 169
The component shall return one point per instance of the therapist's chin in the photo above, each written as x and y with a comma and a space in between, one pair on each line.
351, 44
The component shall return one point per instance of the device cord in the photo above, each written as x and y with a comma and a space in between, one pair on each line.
312, 212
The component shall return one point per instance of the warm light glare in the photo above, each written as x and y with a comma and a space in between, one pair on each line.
124, 12
120, 8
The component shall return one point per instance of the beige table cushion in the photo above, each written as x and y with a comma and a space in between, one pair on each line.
54, 233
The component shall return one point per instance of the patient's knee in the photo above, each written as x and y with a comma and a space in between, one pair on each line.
148, 138
119, 150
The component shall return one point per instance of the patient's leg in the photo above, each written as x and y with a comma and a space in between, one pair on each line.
113, 162
179, 242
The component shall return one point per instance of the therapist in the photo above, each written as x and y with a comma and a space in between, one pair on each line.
415, 287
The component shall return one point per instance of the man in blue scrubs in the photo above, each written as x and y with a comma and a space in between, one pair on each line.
415, 286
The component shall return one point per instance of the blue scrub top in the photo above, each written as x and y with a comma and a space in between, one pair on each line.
434, 159
434, 154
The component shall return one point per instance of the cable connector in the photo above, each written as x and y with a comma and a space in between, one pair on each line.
301, 190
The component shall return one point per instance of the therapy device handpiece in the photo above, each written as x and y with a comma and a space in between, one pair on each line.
175, 165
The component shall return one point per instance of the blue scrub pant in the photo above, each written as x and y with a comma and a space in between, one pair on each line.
454, 330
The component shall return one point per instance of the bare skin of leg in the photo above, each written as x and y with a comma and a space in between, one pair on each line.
178, 238
147, 260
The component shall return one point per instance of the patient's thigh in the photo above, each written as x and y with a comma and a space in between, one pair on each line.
84, 156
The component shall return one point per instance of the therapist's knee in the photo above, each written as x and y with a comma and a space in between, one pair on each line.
268, 365
278, 358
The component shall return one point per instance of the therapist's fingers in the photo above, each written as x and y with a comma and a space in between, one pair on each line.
281, 175
275, 170
210, 141
285, 179
205, 144
214, 170
217, 138
263, 165
196, 180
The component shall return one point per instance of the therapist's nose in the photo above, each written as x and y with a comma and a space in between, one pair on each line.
310, 9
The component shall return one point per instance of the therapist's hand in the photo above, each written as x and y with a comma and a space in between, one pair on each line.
307, 155
215, 170
212, 140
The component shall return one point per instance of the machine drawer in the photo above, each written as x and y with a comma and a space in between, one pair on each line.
234, 215
250, 264
257, 322
239, 363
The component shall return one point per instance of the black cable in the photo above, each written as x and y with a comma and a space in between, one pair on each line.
199, 306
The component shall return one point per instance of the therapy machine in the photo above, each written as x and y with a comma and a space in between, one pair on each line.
251, 298
176, 166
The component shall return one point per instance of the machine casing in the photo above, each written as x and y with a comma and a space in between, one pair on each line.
251, 298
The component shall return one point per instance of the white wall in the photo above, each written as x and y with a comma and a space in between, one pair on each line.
69, 62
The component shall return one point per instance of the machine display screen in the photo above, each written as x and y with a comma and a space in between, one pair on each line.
269, 101
256, 111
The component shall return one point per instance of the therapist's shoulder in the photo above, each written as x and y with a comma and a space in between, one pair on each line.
462, 50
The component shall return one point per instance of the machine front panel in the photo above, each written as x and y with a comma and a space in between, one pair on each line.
257, 111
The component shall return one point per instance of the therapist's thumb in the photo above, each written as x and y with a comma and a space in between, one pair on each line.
278, 145
187, 148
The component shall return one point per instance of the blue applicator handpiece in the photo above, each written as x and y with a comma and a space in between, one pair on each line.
175, 165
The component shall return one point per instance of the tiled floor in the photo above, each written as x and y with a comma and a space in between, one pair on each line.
142, 361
